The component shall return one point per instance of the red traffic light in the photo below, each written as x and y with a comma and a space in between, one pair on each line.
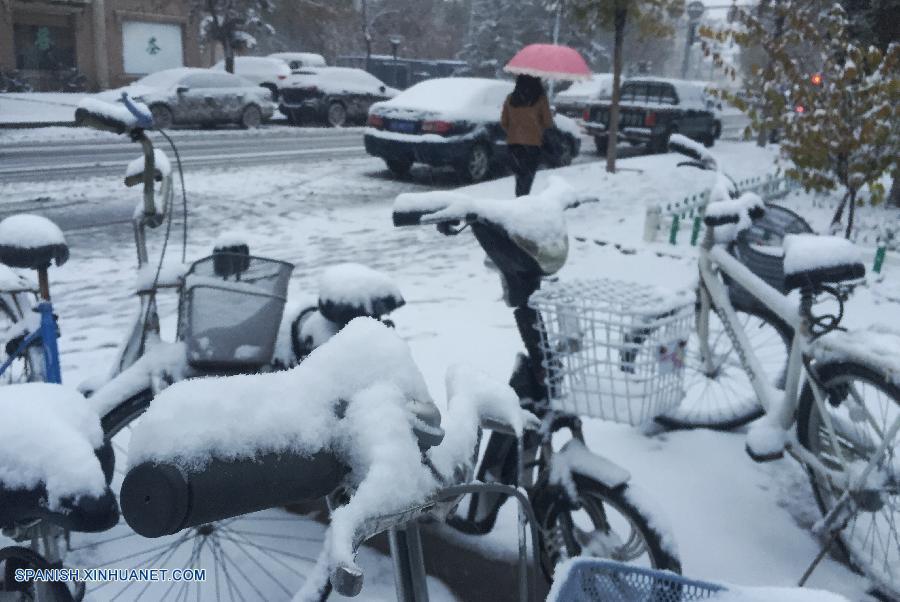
816, 79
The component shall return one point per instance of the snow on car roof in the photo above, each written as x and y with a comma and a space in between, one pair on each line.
307, 58
168, 77
690, 92
599, 86
472, 98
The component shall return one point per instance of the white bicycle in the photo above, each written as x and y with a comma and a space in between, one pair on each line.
836, 407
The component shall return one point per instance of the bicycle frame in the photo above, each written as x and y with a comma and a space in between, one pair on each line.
714, 296
46, 336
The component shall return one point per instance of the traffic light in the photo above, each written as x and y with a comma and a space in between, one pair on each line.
816, 79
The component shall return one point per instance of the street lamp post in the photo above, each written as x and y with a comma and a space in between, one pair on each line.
695, 10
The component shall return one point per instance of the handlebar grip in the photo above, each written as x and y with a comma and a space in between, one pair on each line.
162, 498
143, 120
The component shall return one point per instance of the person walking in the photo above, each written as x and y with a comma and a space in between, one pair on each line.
526, 114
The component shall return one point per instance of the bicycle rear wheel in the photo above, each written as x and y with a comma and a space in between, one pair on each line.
861, 405
608, 523
723, 398
262, 556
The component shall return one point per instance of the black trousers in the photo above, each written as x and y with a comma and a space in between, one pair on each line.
523, 160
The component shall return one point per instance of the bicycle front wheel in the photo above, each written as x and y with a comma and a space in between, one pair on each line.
861, 405
613, 523
262, 556
718, 393
29, 366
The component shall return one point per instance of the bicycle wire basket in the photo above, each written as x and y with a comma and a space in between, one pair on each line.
230, 318
594, 580
613, 350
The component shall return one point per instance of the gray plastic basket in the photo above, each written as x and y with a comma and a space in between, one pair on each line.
231, 322
759, 248
595, 580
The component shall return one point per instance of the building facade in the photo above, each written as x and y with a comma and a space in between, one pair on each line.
111, 42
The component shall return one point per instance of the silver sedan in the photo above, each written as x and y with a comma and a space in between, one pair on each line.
186, 96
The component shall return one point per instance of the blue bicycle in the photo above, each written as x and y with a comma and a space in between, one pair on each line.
231, 310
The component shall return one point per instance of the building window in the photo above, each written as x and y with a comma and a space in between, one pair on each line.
149, 47
43, 47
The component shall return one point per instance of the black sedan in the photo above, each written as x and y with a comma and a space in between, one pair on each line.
455, 122
334, 96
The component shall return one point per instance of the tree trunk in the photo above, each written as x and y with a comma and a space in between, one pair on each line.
763, 136
850, 212
838, 216
894, 195
613, 126
228, 49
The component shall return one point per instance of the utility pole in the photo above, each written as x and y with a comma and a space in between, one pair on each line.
559, 9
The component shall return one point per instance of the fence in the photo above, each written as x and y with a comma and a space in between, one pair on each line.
689, 210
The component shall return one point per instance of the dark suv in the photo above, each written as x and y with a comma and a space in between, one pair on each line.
651, 110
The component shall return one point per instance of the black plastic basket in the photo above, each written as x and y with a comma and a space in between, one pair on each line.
759, 248
230, 319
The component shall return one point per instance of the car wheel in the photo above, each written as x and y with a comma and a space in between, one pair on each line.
660, 144
162, 116
601, 142
336, 115
566, 154
399, 167
477, 165
251, 117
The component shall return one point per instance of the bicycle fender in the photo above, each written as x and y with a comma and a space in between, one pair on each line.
576, 459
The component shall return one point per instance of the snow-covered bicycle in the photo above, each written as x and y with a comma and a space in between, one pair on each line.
584, 503
837, 409
231, 319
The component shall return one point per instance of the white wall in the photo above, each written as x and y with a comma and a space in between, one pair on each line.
149, 47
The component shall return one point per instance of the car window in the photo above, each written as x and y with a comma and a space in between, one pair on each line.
212, 80
667, 95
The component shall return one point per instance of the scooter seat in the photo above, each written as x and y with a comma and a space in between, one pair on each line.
31, 241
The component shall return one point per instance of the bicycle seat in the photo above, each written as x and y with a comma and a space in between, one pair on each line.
811, 261
50, 464
351, 290
31, 241
88, 514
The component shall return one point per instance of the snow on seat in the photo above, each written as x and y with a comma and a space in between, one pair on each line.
351, 290
48, 465
31, 241
811, 260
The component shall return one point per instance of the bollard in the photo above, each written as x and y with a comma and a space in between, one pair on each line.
879, 259
651, 222
695, 233
673, 232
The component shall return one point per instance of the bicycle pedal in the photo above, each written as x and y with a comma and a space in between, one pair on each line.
347, 580
764, 457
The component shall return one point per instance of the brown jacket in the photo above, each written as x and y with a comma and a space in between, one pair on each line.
526, 125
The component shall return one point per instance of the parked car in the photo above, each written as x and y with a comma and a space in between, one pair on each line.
575, 99
197, 96
263, 71
299, 60
652, 109
455, 122
335, 96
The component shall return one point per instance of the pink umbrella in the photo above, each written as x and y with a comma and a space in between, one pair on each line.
549, 61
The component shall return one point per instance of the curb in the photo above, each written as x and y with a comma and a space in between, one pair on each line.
35, 124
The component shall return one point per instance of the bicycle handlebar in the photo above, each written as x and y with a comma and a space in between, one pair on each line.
143, 119
160, 499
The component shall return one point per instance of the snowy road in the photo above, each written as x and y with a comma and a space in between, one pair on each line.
23, 160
